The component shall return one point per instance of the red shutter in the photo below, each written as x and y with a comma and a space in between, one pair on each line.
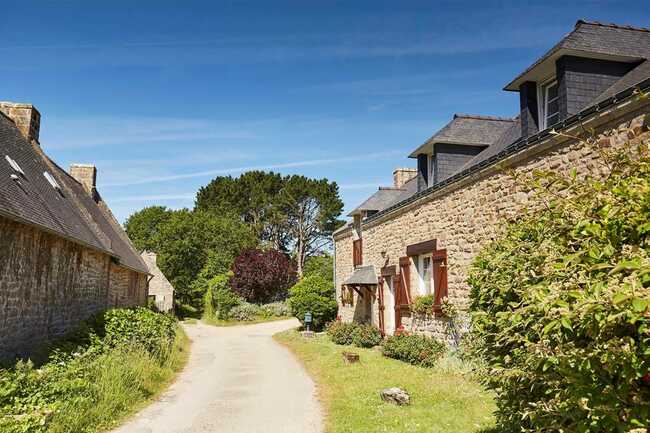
357, 253
439, 278
405, 280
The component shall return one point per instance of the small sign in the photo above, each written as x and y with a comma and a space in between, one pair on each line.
308, 317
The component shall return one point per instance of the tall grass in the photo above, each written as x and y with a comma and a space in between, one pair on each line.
91, 394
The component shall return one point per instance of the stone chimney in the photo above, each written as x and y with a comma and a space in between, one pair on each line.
403, 175
25, 116
85, 174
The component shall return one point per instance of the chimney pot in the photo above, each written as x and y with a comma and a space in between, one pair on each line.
25, 116
86, 175
403, 175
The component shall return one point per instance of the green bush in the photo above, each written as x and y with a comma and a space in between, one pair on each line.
561, 303
245, 312
366, 336
276, 309
140, 326
92, 377
316, 295
341, 332
219, 299
414, 349
423, 304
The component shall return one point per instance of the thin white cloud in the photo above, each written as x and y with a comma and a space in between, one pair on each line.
157, 197
234, 170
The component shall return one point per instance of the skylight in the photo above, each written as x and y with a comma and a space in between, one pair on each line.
52, 181
14, 165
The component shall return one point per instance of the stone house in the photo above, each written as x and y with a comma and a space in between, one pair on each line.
63, 256
161, 291
419, 236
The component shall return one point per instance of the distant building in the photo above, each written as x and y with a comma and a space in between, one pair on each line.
420, 236
161, 290
63, 256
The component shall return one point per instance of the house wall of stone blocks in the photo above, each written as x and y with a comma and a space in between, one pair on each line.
465, 215
49, 284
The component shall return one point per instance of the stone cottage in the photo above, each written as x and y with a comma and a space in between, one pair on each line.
419, 236
63, 256
161, 291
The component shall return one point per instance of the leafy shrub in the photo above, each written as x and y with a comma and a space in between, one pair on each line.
423, 304
111, 363
322, 266
276, 309
245, 312
561, 302
341, 332
366, 336
316, 295
219, 299
414, 349
262, 276
140, 326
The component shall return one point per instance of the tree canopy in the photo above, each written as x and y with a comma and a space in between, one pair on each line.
294, 214
142, 227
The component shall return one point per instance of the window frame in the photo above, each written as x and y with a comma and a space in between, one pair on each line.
430, 181
542, 102
421, 282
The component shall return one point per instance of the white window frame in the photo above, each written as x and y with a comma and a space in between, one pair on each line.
430, 170
542, 103
421, 282
14, 165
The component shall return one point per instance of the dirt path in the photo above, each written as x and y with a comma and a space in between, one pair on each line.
237, 380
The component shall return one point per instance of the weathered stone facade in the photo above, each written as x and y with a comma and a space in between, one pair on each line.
48, 284
465, 215
160, 289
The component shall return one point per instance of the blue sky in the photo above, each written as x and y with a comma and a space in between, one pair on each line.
163, 96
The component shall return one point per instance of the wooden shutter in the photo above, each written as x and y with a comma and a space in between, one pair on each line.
405, 281
439, 263
357, 253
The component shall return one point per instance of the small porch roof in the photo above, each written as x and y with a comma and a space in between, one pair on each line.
362, 276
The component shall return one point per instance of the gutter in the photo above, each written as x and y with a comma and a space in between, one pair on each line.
515, 147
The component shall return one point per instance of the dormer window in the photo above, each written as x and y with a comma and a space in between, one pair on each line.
550, 104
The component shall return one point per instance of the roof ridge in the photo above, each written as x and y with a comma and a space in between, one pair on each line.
482, 117
612, 25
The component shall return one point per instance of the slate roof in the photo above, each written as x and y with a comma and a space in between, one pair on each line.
71, 213
502, 136
597, 38
362, 275
467, 129
386, 197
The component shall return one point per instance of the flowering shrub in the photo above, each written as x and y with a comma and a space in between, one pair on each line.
245, 312
276, 309
340, 332
414, 349
366, 336
561, 303
423, 305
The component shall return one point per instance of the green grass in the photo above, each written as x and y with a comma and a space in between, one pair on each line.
443, 399
219, 322
89, 394
123, 382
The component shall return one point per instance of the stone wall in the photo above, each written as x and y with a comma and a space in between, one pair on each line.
465, 215
48, 284
159, 286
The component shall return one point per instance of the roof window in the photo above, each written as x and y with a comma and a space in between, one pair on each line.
550, 107
52, 181
14, 165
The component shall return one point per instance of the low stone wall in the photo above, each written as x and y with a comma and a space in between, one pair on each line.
49, 284
466, 215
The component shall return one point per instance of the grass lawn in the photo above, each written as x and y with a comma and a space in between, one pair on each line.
443, 399
217, 322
